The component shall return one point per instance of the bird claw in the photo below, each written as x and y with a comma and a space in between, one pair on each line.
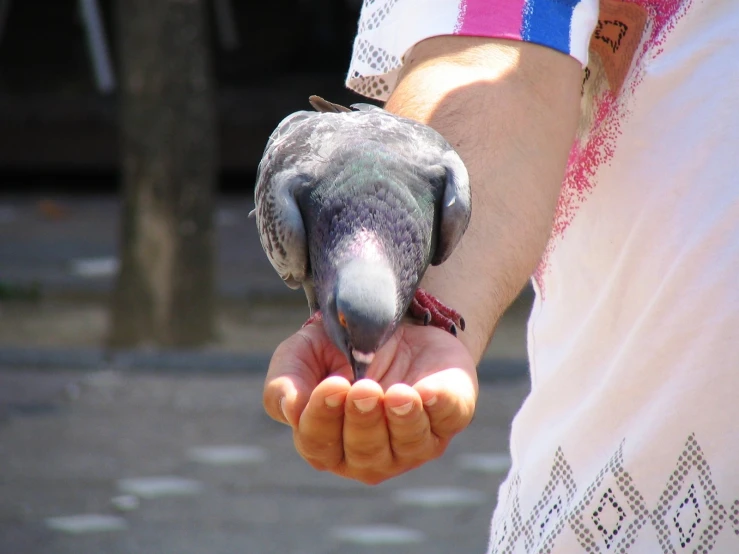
431, 311
316, 316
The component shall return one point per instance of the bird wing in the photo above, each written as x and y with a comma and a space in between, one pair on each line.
279, 179
295, 157
456, 206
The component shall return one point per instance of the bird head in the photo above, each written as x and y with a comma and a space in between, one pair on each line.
364, 313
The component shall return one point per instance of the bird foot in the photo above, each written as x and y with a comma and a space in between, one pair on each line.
316, 316
431, 311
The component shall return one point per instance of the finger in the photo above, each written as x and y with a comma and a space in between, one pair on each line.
449, 399
285, 396
366, 437
294, 371
318, 437
411, 439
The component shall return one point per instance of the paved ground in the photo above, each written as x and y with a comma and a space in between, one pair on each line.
67, 451
171, 452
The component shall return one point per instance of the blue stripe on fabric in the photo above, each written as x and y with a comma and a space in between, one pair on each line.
547, 22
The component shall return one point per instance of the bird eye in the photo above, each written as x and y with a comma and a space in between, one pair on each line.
342, 319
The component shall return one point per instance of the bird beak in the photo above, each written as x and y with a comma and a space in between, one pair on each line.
360, 362
359, 369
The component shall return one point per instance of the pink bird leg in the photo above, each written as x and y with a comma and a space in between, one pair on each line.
431, 311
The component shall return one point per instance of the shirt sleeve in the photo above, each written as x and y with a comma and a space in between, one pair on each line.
388, 29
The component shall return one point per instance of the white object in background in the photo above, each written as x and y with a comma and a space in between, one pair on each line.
439, 497
227, 455
155, 487
377, 534
86, 523
95, 267
486, 463
126, 502
97, 46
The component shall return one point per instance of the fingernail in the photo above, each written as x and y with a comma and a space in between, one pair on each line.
403, 409
431, 401
282, 407
335, 400
365, 405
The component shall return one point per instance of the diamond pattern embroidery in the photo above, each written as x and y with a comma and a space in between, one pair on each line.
611, 512
609, 527
689, 515
546, 520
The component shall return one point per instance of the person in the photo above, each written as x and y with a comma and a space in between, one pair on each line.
601, 141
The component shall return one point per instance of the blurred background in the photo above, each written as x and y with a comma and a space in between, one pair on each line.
138, 311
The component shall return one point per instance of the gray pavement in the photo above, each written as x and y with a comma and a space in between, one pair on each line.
69, 439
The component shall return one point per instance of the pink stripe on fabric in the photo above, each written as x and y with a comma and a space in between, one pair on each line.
490, 18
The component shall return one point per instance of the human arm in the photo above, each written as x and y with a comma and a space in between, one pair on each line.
510, 109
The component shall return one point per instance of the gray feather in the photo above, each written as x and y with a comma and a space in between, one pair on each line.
321, 105
456, 207
363, 107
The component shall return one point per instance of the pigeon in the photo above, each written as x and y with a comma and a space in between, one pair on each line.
354, 205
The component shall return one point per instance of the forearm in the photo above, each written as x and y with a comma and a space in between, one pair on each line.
510, 109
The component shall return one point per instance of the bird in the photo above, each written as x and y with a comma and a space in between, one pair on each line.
353, 205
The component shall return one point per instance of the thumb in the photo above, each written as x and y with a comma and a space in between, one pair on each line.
285, 398
291, 378
297, 367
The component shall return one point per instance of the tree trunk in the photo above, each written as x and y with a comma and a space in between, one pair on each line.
164, 292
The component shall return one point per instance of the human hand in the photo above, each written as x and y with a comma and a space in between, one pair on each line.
421, 392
